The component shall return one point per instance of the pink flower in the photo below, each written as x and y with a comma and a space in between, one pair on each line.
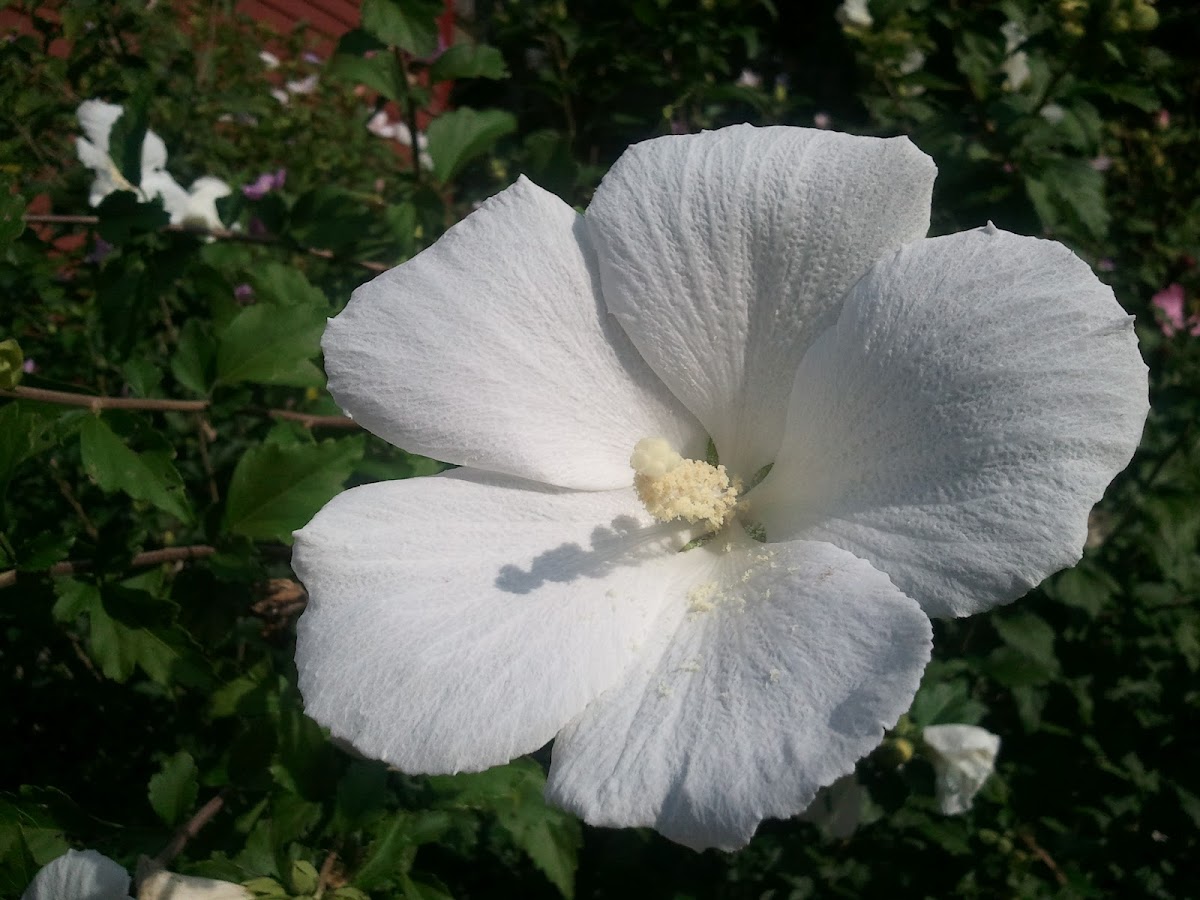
264, 184
1170, 301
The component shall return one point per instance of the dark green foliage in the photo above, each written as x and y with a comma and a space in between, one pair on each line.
139, 687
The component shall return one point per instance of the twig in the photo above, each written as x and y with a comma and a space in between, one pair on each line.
95, 403
65, 489
313, 421
220, 234
140, 561
205, 433
326, 874
410, 114
149, 404
1040, 853
191, 828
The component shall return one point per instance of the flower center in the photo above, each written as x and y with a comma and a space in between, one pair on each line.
672, 487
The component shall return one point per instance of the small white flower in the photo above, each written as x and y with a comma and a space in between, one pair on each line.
939, 416
1016, 61
912, 62
854, 13
88, 875
964, 756
749, 79
305, 85
269, 59
383, 126
196, 206
1053, 113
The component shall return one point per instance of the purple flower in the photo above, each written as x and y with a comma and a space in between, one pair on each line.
29, 366
314, 59
1172, 304
1106, 265
264, 184
243, 293
100, 251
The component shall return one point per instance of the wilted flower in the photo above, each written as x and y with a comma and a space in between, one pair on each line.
964, 756
1171, 302
194, 207
88, 875
906, 428
854, 13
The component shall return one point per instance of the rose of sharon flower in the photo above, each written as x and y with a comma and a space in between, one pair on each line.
936, 418
195, 207
88, 875
1171, 302
964, 756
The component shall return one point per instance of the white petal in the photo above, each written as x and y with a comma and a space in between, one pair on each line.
725, 254
964, 758
955, 428
458, 621
97, 118
79, 875
175, 199
785, 669
154, 154
492, 350
163, 885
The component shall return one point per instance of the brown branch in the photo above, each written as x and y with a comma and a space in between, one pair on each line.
96, 403
220, 234
326, 874
190, 829
140, 561
313, 421
1038, 851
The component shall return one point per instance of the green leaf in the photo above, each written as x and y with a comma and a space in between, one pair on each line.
550, 837
331, 218
12, 214
277, 488
410, 25
267, 344
304, 877
123, 215
1069, 194
147, 476
173, 790
467, 60
194, 361
459, 136
128, 136
24, 432
381, 73
12, 360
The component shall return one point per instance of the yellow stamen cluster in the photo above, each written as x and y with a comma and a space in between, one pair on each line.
672, 487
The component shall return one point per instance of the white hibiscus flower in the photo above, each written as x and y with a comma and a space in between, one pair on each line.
88, 875
195, 207
939, 415
964, 756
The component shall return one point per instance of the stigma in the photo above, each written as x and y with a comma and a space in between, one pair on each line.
672, 487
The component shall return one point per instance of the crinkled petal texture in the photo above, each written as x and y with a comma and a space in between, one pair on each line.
79, 875
458, 621
492, 349
964, 758
975, 398
725, 254
783, 670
